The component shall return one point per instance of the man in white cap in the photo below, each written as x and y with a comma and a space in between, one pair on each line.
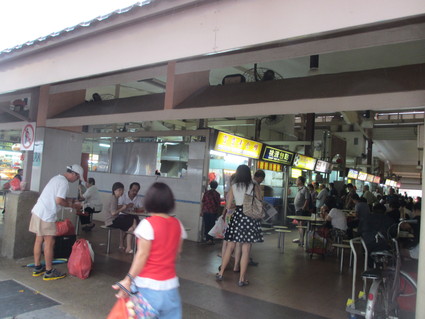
43, 219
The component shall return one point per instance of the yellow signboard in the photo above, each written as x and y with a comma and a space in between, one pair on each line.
295, 172
270, 166
304, 162
232, 144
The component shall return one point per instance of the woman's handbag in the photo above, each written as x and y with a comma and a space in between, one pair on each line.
252, 206
135, 307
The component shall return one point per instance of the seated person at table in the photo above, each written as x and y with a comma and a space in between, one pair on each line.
115, 217
337, 219
134, 205
92, 203
394, 211
377, 222
413, 244
361, 209
131, 200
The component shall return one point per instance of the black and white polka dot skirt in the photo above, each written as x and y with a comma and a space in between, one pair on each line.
243, 229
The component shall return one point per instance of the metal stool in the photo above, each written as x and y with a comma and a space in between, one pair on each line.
281, 238
108, 242
342, 247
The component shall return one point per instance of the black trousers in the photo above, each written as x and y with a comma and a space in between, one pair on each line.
209, 222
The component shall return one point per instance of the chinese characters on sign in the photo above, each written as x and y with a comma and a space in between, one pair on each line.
277, 155
270, 166
232, 144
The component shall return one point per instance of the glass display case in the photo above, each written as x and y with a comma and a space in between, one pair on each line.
10, 162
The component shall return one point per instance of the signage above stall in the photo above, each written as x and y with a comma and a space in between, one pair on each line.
236, 145
276, 155
270, 166
369, 178
304, 162
323, 167
352, 173
387, 182
362, 176
295, 172
377, 179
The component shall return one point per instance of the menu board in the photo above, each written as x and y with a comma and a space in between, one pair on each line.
295, 172
276, 155
369, 178
393, 183
377, 179
270, 166
387, 182
362, 176
323, 167
352, 173
304, 162
236, 145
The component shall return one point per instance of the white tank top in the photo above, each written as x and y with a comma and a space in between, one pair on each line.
239, 191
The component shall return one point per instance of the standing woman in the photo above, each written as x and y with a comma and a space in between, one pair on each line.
159, 243
242, 229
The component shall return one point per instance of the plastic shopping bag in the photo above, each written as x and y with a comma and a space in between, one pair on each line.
15, 184
80, 262
219, 228
119, 310
133, 307
316, 244
64, 228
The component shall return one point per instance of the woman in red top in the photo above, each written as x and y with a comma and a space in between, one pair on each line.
159, 242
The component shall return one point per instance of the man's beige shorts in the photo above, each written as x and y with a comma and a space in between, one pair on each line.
42, 228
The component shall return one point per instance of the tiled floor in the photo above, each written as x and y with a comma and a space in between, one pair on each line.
289, 285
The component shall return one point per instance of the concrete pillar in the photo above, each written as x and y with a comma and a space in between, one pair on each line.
420, 306
17, 241
309, 133
181, 86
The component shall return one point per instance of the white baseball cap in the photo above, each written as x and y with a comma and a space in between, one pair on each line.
77, 169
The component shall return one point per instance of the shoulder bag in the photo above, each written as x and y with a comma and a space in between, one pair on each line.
135, 306
252, 206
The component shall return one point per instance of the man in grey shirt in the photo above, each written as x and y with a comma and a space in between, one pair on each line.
362, 210
321, 197
301, 203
